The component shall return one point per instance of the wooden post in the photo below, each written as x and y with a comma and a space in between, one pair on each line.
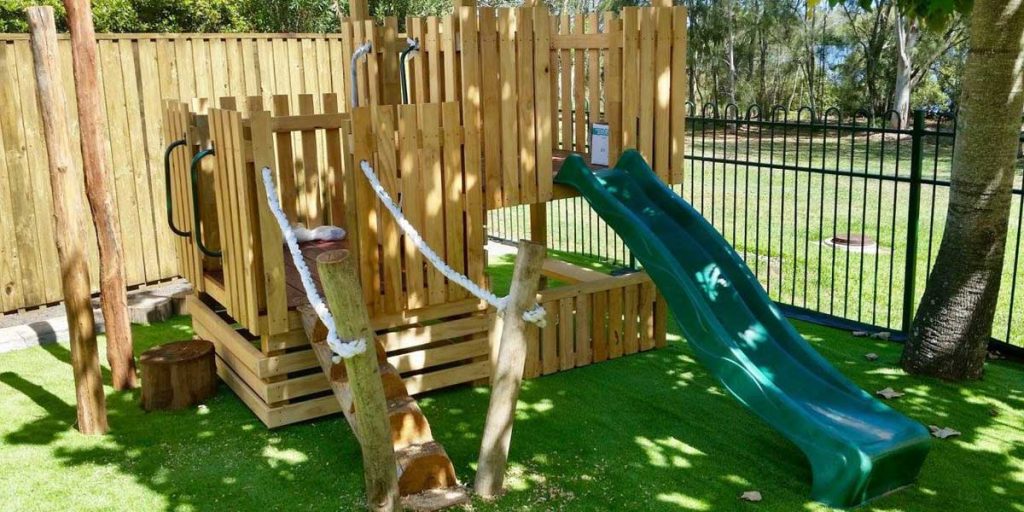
358, 10
99, 189
69, 223
539, 229
340, 279
508, 374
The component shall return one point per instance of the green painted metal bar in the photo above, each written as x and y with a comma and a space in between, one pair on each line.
913, 219
167, 183
196, 217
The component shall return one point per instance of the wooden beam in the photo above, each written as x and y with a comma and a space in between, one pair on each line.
69, 221
92, 124
508, 374
340, 280
358, 10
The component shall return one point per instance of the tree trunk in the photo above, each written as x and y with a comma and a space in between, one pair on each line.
905, 42
69, 224
99, 189
953, 325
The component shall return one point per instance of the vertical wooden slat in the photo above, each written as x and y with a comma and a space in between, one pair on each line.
372, 63
543, 99
387, 171
599, 326
565, 86
412, 201
615, 326
454, 196
630, 66
222, 194
366, 202
271, 239
648, 294
630, 310
593, 75
645, 132
435, 72
418, 83
509, 120
392, 86
660, 322
566, 334
471, 127
431, 191
527, 150
310, 172
584, 325
290, 197
663, 92
336, 142
491, 90
613, 86
679, 94
579, 97
451, 67
25, 266
549, 339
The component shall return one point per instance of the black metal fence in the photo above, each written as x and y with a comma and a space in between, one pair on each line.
840, 217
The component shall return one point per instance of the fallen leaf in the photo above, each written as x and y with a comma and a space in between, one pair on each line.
995, 355
871, 356
944, 432
860, 334
752, 496
889, 393
885, 335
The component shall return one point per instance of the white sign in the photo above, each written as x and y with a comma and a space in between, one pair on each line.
599, 144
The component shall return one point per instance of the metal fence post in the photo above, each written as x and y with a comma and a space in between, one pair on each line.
913, 217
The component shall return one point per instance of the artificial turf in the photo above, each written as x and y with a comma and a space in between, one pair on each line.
646, 432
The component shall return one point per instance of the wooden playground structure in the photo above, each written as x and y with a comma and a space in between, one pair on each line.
494, 100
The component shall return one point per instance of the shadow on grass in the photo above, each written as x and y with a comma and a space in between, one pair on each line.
647, 432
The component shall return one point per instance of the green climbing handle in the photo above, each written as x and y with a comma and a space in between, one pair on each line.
196, 219
167, 182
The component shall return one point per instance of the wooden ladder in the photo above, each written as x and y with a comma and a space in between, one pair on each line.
426, 477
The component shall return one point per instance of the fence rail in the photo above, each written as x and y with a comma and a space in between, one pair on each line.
783, 188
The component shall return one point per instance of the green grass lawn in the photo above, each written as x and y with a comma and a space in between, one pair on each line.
647, 432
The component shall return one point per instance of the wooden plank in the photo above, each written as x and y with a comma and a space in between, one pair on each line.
271, 240
309, 122
648, 295
475, 257
492, 125
630, 311
566, 334
427, 334
662, 92
372, 64
424, 382
450, 61
226, 211
678, 95
532, 367
366, 201
594, 107
454, 198
219, 86
615, 324
527, 123
645, 134
565, 87
509, 108
422, 359
599, 327
392, 86
613, 88
337, 172
549, 339
434, 60
542, 97
285, 165
412, 200
387, 171
22, 213
418, 84
310, 175
583, 349
569, 273
579, 101
660, 322
630, 77
431, 197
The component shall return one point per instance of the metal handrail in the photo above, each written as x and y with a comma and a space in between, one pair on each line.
196, 219
167, 182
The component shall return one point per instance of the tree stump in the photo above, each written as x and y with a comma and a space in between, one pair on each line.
178, 375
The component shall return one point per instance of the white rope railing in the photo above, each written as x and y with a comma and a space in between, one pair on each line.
535, 315
340, 348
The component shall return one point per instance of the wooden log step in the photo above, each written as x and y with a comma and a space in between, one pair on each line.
408, 424
422, 467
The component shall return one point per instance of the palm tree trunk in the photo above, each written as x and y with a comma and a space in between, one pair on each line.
953, 325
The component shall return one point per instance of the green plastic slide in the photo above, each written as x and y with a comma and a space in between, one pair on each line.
858, 447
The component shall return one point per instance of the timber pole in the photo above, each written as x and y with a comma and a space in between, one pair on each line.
69, 223
340, 279
508, 370
99, 189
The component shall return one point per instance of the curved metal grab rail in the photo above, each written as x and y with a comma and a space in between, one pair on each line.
195, 204
167, 183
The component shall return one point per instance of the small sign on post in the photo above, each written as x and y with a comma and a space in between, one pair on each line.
599, 144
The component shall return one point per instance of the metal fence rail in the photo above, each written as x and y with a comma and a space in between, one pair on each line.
785, 187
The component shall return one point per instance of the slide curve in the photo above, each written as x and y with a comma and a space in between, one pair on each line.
858, 447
